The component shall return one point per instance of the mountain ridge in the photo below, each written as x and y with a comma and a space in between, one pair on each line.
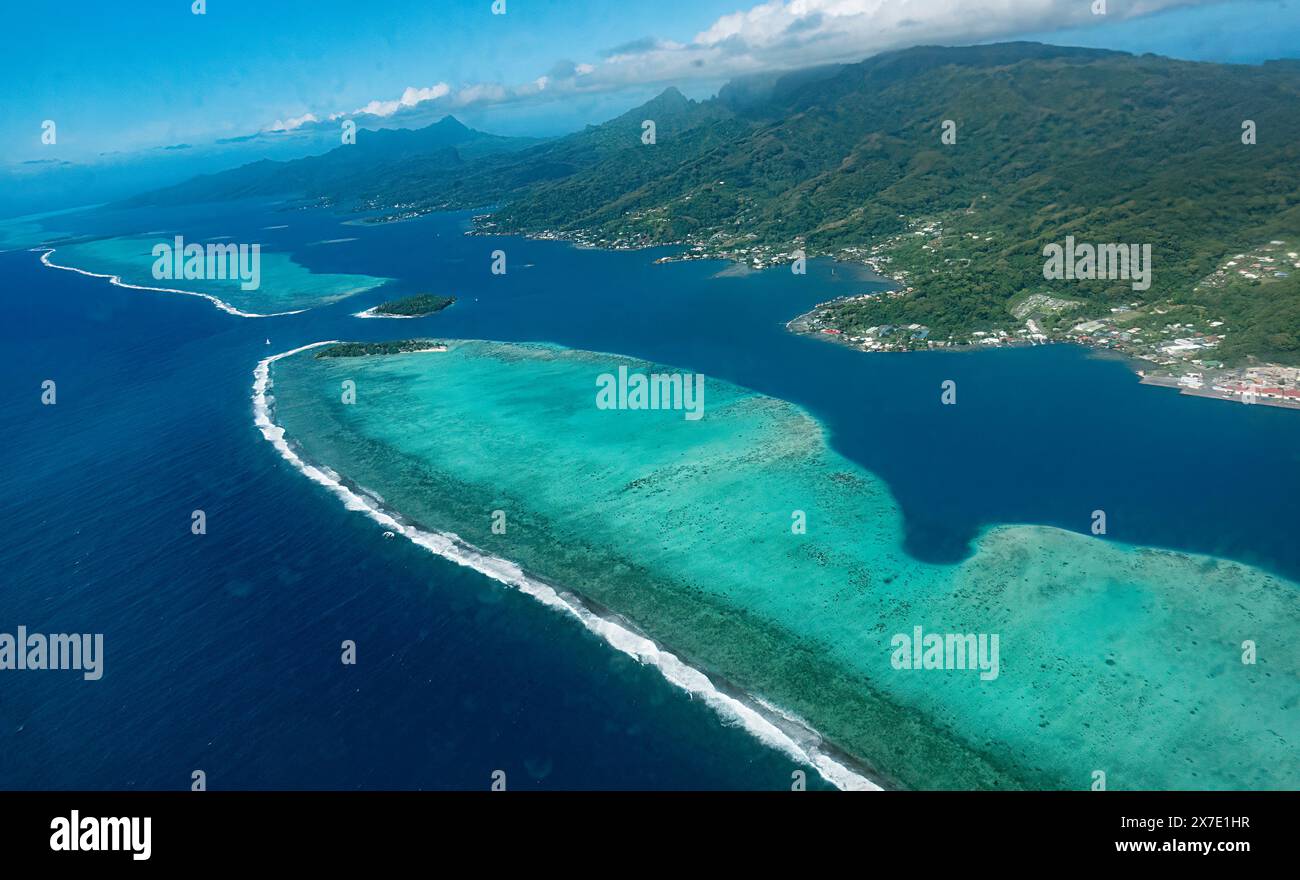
850, 160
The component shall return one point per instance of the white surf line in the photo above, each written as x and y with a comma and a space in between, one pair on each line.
370, 313
116, 280
643, 650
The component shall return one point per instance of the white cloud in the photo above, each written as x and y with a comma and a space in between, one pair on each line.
293, 122
487, 93
410, 98
787, 34
773, 35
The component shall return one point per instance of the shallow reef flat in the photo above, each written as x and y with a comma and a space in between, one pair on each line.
1112, 658
283, 285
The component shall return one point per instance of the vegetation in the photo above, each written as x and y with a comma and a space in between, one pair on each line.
446, 145
1050, 142
1262, 314
415, 306
361, 349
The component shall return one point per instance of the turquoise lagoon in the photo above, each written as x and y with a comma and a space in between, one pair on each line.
1113, 658
285, 285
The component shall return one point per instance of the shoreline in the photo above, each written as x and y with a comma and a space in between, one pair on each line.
838, 338
436, 304
1139, 366
692, 250
906, 732
1211, 393
768, 724
371, 313
800, 325
116, 281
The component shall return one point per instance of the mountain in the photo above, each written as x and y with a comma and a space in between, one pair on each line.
848, 160
1103, 146
446, 144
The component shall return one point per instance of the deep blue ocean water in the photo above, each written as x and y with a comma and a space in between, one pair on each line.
222, 650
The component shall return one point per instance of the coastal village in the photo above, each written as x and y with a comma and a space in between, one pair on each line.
742, 248
1175, 349
1178, 349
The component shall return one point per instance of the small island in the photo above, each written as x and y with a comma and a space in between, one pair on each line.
361, 349
417, 306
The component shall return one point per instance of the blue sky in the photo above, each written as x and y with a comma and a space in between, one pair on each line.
128, 77
119, 80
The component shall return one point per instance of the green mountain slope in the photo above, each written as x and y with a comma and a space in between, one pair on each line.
447, 144
848, 160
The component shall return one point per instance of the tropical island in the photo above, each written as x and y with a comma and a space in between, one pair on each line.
899, 163
362, 349
417, 306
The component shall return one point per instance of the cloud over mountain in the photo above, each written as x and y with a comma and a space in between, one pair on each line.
773, 35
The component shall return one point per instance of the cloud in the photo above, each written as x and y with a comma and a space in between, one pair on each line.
487, 93
435, 99
787, 34
411, 97
637, 47
770, 36
292, 123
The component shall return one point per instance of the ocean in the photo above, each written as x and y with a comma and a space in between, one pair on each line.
222, 650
